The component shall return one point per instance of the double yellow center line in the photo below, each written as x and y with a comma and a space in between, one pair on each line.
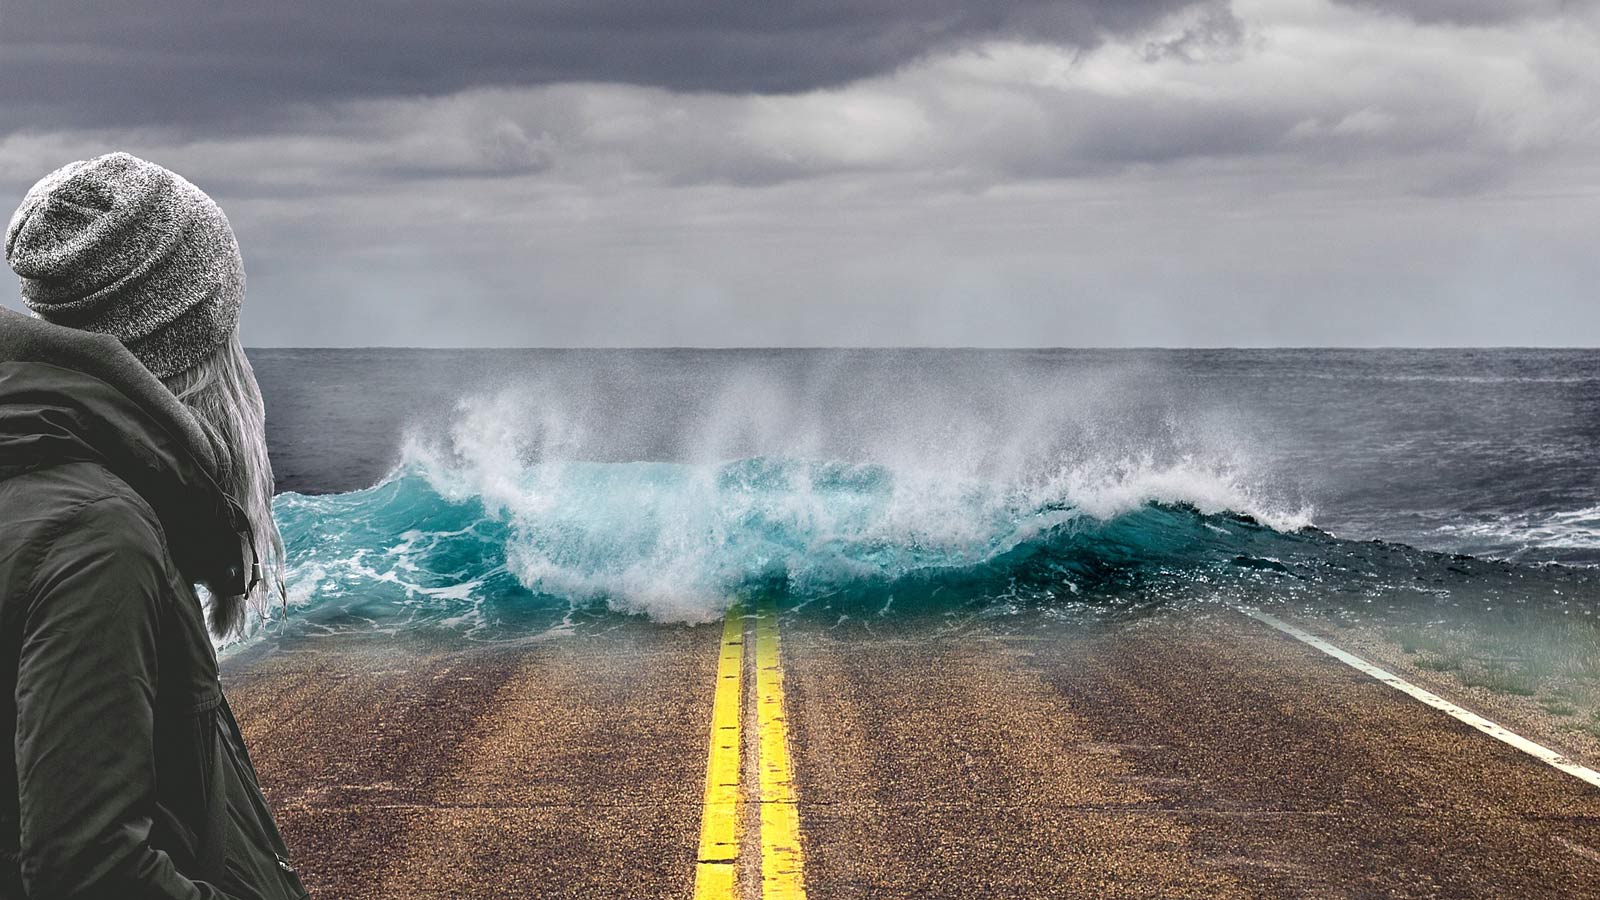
782, 861
716, 874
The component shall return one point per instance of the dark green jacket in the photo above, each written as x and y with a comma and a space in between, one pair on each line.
127, 778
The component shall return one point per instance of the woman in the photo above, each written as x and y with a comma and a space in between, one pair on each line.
133, 466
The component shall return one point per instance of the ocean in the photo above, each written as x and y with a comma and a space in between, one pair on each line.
522, 492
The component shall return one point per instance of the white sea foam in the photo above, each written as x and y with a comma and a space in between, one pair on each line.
671, 540
1510, 535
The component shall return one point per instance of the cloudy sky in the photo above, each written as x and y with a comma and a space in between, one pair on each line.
854, 172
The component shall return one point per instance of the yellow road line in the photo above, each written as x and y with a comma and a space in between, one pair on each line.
716, 874
782, 860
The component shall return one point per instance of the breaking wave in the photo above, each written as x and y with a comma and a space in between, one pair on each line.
499, 526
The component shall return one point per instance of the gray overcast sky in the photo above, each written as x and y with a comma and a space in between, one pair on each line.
854, 172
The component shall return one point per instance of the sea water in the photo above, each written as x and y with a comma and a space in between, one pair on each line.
504, 493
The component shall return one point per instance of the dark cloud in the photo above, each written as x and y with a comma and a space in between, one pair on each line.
1470, 12
172, 62
586, 173
1216, 30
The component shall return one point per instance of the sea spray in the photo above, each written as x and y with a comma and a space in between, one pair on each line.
677, 541
499, 519
665, 482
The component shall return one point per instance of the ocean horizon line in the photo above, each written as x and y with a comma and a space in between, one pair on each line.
734, 348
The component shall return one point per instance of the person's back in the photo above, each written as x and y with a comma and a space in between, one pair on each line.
127, 775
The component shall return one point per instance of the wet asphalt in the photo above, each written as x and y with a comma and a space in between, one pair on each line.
1175, 756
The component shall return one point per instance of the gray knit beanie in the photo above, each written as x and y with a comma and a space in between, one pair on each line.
124, 247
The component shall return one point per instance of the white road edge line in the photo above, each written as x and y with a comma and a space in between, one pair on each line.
1537, 751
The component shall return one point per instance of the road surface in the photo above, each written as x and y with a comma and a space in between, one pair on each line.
1181, 755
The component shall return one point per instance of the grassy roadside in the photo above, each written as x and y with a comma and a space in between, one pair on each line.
1536, 670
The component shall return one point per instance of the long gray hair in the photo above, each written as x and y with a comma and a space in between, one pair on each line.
222, 393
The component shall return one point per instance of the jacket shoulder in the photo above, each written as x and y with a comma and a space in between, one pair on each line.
73, 512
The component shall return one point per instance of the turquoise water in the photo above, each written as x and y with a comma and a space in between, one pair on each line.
519, 493
677, 543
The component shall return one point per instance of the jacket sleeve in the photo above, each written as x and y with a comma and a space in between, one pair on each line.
86, 689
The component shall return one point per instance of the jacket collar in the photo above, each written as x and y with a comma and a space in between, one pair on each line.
72, 396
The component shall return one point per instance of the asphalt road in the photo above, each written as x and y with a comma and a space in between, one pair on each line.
1179, 756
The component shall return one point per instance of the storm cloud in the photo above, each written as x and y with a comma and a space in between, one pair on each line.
1471, 12
1245, 173
143, 62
